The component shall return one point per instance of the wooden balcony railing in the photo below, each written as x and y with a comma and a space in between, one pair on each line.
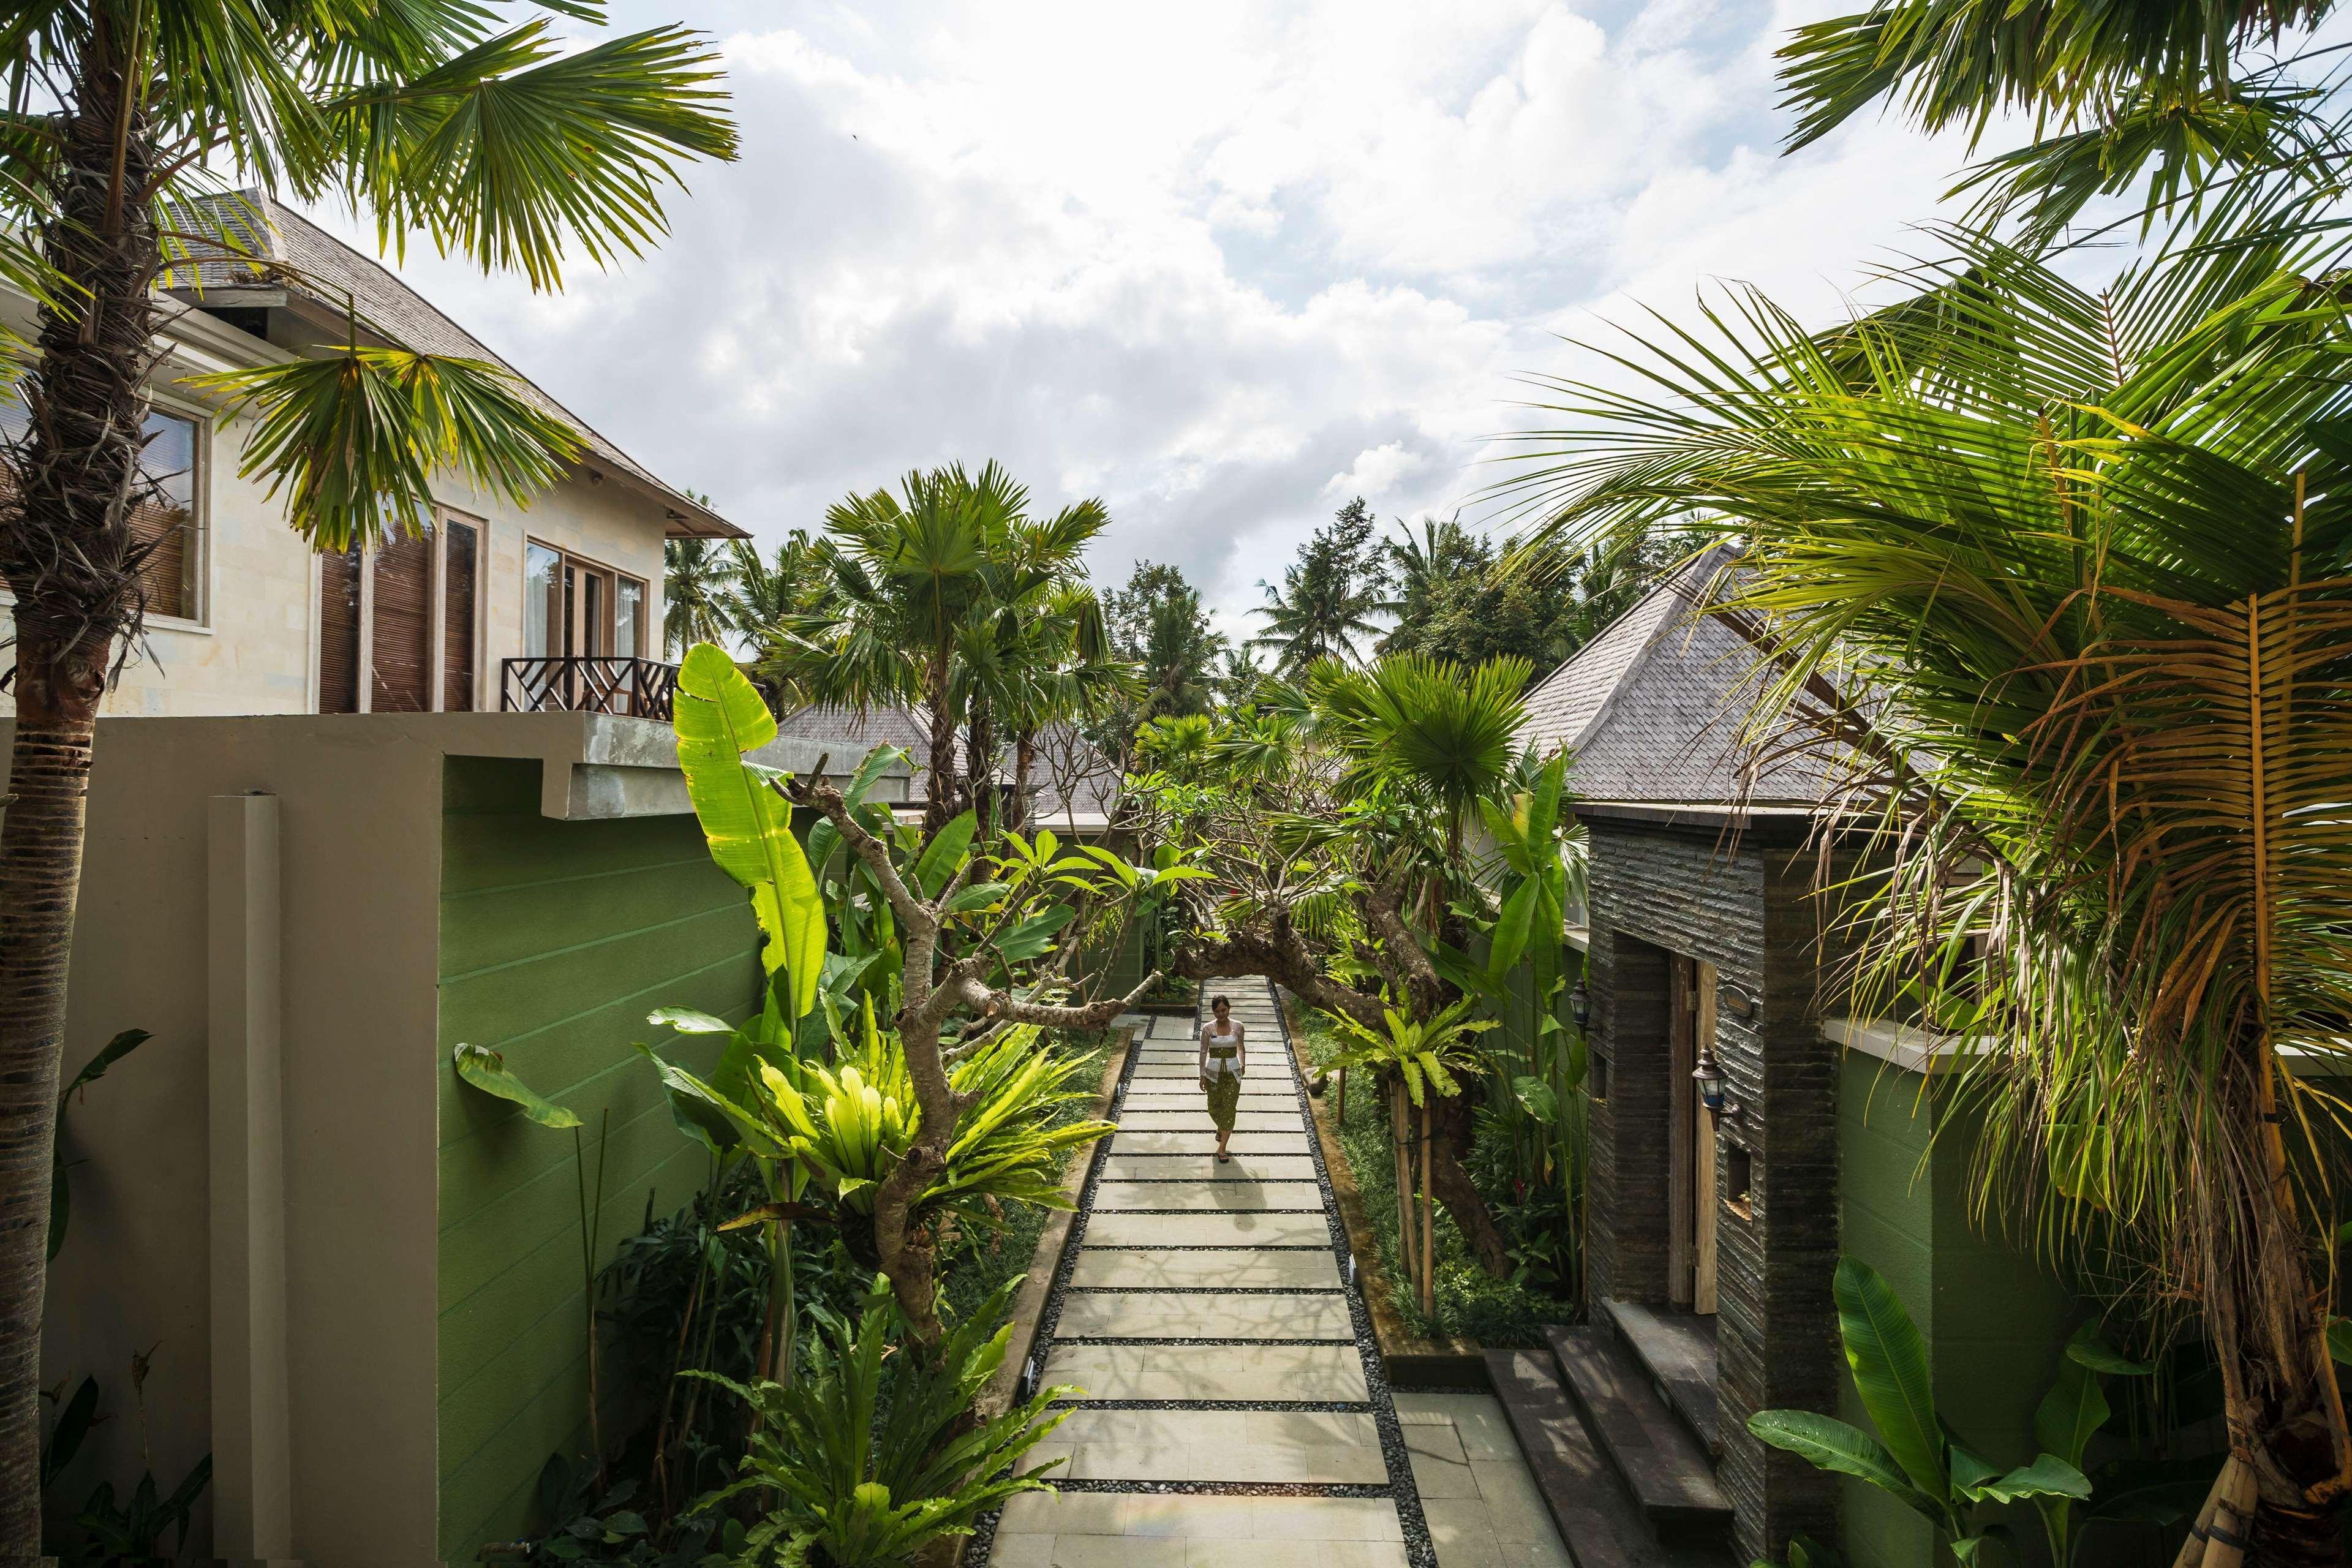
574, 683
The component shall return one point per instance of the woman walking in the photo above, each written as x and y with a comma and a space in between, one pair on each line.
1224, 1057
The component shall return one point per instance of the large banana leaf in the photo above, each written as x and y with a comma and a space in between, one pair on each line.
720, 718
487, 1070
1832, 1444
1891, 1372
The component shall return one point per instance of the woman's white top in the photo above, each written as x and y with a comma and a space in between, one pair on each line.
1216, 1065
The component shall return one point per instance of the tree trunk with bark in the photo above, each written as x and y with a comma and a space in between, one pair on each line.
69, 556
940, 789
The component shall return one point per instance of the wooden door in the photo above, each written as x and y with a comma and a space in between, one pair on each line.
1703, 1193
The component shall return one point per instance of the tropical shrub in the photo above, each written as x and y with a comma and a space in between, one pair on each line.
1917, 1458
865, 1476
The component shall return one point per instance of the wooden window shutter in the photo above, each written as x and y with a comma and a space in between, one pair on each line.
401, 655
338, 632
458, 617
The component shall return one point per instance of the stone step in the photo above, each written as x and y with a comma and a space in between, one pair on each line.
1662, 1465
1143, 1268
1151, 1530
1321, 1374
1118, 1315
1602, 1526
1677, 1349
1206, 1194
1247, 1166
1206, 1229
1205, 1143
1298, 1448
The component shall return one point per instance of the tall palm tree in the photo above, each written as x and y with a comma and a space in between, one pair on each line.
125, 117
2090, 550
927, 603
1316, 615
698, 593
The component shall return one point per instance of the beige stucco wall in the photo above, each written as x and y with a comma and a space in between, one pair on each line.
255, 649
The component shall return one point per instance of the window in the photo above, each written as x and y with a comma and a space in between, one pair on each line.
167, 525
412, 607
576, 607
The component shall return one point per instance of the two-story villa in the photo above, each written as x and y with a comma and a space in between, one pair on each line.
489, 607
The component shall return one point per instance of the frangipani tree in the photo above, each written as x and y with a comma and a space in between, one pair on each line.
959, 970
129, 125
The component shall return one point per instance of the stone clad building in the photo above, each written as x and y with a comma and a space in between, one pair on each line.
1713, 1235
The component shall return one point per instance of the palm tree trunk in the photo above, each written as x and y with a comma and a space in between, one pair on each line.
67, 556
980, 769
1399, 1136
1025, 756
939, 786
1428, 1228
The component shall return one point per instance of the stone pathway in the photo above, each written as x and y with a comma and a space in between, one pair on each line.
1232, 1413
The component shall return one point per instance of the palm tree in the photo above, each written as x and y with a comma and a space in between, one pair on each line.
125, 116
698, 593
2087, 549
929, 601
1328, 598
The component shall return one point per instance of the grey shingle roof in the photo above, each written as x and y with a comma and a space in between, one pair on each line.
1654, 710
272, 245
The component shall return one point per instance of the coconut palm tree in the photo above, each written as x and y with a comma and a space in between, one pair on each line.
698, 601
129, 125
1328, 599
2088, 551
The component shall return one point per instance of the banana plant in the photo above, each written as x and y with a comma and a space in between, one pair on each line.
1418, 1059
1915, 1456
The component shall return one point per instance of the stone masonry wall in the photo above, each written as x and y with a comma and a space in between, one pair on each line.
1748, 910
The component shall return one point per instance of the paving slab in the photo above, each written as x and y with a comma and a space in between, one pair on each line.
1308, 1373
1140, 1268
1205, 1229
1206, 1143
1298, 1448
1088, 1314
1135, 1120
1189, 1089
1245, 1168
1200, 1194
1214, 1519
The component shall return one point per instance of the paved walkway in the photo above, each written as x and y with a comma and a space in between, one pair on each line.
1231, 1419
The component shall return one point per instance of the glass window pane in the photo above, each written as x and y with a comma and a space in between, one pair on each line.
542, 602
628, 619
458, 591
164, 522
401, 650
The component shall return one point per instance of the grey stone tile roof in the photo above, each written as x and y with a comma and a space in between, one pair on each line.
1654, 710
907, 729
271, 246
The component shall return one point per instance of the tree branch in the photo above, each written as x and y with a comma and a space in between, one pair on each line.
1405, 949
822, 798
993, 1003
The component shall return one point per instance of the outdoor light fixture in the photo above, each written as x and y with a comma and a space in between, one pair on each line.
1709, 1074
1580, 1005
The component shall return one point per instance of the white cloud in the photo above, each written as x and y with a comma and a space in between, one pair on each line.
1224, 265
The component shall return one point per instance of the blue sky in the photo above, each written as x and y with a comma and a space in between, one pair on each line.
1224, 265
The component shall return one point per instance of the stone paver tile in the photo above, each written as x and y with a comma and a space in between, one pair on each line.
1044, 1454
1132, 1462
1202, 1194
1514, 1506
1477, 1420
1459, 1529
1324, 1519
1063, 1514
1140, 1268
1206, 1143
1109, 1552
1311, 1428
1207, 1230
1153, 1428
1305, 1372
1201, 1165
1439, 1478
1189, 1089
1438, 1442
1197, 1122
1301, 1554
1089, 1315
1191, 1518
1021, 1551
1537, 1554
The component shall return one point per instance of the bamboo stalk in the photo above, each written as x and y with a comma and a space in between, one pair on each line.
1342, 1115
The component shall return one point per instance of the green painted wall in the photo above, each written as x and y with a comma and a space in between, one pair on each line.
557, 938
1995, 1319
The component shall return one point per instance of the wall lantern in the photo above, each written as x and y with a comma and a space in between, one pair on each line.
1580, 1005
1709, 1074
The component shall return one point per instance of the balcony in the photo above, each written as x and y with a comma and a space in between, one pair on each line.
578, 683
